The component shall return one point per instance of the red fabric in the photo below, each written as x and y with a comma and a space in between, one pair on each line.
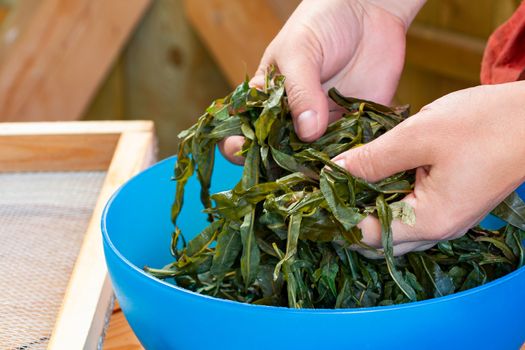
504, 57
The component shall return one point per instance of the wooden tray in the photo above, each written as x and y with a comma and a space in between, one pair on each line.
121, 149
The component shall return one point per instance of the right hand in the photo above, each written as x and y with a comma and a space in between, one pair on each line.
357, 46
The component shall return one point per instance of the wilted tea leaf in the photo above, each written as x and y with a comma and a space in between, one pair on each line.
284, 234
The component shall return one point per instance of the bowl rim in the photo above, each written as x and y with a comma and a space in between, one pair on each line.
252, 307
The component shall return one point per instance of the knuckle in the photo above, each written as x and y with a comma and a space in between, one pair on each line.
364, 164
297, 95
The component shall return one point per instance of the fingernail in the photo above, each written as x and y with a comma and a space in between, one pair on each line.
257, 82
307, 125
341, 162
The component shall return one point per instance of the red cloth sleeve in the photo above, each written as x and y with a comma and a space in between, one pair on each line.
504, 57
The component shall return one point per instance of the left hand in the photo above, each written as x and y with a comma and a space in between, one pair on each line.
469, 151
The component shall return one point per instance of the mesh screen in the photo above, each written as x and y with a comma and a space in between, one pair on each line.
43, 217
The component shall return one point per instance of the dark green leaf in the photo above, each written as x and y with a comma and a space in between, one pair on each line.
512, 210
250, 251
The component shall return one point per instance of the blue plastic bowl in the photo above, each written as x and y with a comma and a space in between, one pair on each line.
136, 230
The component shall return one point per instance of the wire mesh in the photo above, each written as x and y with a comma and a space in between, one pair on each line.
43, 217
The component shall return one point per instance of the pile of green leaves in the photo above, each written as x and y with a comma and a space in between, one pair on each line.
282, 235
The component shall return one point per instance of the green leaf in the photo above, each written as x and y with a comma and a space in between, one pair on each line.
228, 247
512, 210
250, 175
385, 218
294, 228
347, 216
228, 127
404, 212
443, 284
295, 213
203, 239
250, 251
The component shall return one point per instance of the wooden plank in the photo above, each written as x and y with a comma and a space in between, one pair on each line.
283, 9
75, 128
419, 87
478, 19
108, 103
3, 13
444, 52
75, 43
169, 75
235, 31
119, 335
80, 152
80, 321
460, 16
62, 146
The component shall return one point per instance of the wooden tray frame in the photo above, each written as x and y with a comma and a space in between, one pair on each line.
121, 149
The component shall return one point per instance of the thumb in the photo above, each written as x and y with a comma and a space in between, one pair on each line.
308, 102
402, 148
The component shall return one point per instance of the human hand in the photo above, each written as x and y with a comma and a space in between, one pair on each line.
468, 149
357, 46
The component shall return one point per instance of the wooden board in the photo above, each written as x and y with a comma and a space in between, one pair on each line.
120, 148
236, 31
55, 53
119, 335
444, 44
168, 75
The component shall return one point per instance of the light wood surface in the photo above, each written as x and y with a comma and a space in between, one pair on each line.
121, 149
55, 53
62, 146
56, 152
236, 31
82, 317
119, 335
453, 55
167, 75
444, 44
74, 128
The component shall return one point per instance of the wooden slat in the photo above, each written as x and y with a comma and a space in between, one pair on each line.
54, 58
81, 152
74, 128
81, 319
119, 335
450, 54
62, 146
3, 13
235, 31
169, 75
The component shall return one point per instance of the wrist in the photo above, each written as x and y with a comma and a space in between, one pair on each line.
405, 10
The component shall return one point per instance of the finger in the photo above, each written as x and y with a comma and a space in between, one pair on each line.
434, 222
230, 146
335, 112
403, 248
307, 100
420, 202
403, 148
257, 80
401, 233
400, 249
